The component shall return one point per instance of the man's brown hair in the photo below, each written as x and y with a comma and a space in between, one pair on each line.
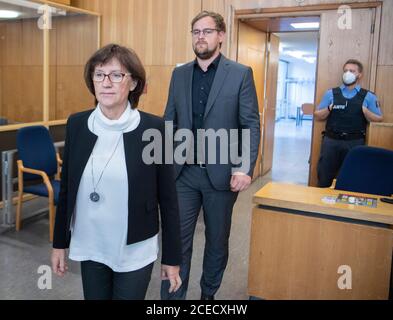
218, 19
356, 62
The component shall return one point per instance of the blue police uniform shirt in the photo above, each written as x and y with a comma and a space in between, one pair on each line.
370, 101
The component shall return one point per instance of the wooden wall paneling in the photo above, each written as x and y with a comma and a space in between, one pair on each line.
12, 54
53, 92
386, 43
76, 39
54, 2
161, 31
258, 165
72, 94
252, 52
2, 45
253, 4
22, 93
141, 32
158, 79
1, 92
66, 2
22, 61
11, 83
126, 19
53, 70
270, 103
334, 50
381, 135
182, 36
3, 29
31, 109
384, 91
158, 31
219, 6
374, 50
31, 43
91, 5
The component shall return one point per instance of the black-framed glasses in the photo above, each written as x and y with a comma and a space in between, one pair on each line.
115, 77
205, 32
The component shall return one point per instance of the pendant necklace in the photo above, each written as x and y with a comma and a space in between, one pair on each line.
94, 196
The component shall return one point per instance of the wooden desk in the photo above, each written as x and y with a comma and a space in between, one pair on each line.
298, 244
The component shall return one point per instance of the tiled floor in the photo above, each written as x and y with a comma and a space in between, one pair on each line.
292, 148
21, 254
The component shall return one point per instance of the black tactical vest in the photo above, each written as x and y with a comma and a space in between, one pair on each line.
347, 114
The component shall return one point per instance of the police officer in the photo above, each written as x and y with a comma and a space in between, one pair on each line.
347, 109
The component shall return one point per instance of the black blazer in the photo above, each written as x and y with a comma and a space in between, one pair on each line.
149, 186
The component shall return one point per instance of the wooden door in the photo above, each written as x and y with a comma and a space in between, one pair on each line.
269, 119
2, 35
337, 46
252, 52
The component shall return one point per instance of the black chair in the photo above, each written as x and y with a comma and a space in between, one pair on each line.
37, 158
367, 170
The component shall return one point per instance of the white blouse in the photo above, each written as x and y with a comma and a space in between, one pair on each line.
99, 229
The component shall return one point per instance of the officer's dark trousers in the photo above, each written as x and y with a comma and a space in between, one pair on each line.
195, 191
333, 152
101, 283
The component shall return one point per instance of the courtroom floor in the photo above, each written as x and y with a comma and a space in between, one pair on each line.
22, 253
292, 149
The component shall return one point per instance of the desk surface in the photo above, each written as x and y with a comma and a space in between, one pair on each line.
309, 199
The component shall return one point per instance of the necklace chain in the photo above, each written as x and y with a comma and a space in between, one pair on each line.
92, 160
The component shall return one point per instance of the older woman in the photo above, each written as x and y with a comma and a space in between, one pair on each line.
108, 213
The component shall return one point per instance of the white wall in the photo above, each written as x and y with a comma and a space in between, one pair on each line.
304, 72
304, 89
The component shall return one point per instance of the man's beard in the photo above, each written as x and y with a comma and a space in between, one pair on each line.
205, 53
351, 84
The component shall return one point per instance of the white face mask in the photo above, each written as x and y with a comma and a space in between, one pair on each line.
349, 78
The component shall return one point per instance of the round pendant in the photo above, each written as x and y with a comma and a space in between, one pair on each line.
94, 196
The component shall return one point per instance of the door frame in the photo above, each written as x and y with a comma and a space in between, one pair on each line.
236, 15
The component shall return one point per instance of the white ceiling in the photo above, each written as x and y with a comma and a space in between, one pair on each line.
306, 42
27, 9
25, 12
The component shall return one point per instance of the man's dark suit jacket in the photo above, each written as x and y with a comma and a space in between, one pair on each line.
149, 186
232, 104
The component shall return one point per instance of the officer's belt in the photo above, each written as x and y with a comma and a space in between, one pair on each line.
344, 135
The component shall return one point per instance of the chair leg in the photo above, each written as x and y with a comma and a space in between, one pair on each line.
20, 197
52, 210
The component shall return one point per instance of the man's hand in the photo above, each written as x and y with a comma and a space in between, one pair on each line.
370, 116
59, 265
240, 182
322, 114
171, 273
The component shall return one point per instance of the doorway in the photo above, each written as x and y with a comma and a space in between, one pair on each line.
294, 106
264, 25
284, 72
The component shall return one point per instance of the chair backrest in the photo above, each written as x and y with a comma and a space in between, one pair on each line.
367, 170
308, 108
36, 150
